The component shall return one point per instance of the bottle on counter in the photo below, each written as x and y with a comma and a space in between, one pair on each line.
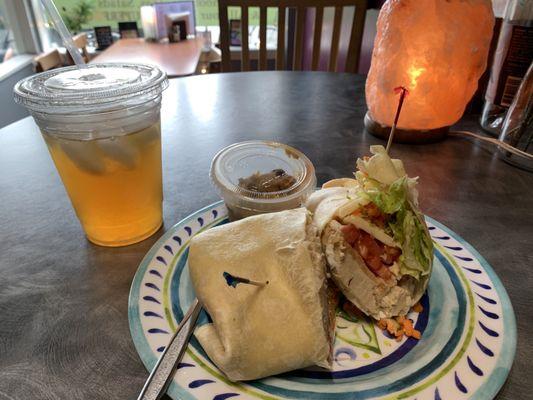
518, 126
513, 56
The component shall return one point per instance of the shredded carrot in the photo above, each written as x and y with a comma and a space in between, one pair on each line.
392, 326
417, 308
357, 212
398, 327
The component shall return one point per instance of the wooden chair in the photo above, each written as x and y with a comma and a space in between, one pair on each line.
80, 41
104, 37
128, 30
300, 6
47, 61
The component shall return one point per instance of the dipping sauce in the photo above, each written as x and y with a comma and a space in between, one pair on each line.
260, 176
274, 181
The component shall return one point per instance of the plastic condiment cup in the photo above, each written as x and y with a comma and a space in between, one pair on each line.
241, 160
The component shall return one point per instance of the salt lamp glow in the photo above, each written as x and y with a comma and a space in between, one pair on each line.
438, 50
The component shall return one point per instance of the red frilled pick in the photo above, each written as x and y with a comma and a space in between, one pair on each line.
401, 89
404, 92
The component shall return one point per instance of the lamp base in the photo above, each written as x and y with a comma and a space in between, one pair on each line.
410, 136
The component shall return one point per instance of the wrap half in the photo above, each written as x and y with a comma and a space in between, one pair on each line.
375, 239
261, 331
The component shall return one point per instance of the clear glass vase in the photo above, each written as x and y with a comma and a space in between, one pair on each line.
518, 125
513, 55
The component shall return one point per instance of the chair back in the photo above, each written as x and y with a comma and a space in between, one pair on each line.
103, 36
47, 61
301, 8
80, 41
128, 30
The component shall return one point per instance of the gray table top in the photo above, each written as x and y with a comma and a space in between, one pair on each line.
63, 301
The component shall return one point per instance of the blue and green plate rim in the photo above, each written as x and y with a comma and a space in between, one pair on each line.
488, 390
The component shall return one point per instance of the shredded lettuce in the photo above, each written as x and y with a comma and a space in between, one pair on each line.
417, 247
391, 199
380, 166
398, 198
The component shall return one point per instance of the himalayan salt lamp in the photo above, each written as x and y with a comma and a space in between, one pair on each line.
437, 49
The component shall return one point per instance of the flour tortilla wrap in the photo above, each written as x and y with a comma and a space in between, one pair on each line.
395, 286
263, 331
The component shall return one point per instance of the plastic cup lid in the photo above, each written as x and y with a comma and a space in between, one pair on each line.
94, 88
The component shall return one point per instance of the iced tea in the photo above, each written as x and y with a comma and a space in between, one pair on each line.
114, 183
101, 123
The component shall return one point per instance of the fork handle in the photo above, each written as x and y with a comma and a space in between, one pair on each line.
159, 380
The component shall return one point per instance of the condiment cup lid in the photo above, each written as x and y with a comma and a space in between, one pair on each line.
241, 160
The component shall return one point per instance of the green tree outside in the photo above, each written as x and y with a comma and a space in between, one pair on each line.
110, 12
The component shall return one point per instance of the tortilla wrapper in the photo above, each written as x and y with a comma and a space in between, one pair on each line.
372, 295
263, 331
324, 204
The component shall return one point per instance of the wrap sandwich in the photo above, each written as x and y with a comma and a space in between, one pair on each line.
260, 331
375, 239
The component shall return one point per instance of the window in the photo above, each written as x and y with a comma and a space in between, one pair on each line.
84, 15
49, 38
16, 35
93, 13
7, 42
253, 25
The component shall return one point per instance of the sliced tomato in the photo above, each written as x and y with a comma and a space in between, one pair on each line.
376, 255
373, 250
351, 233
384, 273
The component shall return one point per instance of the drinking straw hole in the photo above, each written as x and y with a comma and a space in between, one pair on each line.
92, 77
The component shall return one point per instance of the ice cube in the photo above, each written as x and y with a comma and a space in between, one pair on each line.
120, 149
85, 154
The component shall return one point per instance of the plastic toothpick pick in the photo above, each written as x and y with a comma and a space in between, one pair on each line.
233, 280
403, 93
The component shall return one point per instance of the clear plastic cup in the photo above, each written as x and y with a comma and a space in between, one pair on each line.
101, 124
